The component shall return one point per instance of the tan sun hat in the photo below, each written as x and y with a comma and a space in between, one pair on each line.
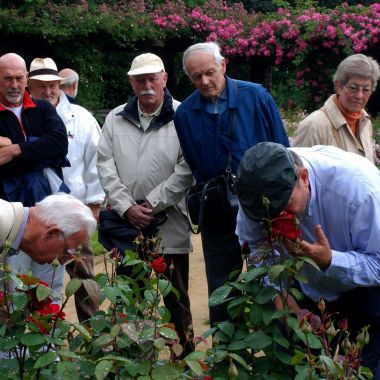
44, 69
146, 63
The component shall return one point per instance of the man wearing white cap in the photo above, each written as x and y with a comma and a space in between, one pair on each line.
139, 159
81, 177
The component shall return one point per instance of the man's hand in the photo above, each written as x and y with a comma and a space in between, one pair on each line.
140, 216
95, 208
9, 152
319, 251
4, 141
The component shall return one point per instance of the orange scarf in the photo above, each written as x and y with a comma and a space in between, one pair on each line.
351, 118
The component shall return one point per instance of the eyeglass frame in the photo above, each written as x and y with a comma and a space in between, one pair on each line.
354, 89
68, 252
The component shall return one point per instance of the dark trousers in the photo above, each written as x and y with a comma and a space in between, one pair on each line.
180, 308
361, 307
222, 254
83, 270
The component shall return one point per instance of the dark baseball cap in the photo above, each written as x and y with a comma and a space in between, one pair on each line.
266, 170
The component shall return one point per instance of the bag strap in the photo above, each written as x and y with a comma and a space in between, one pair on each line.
232, 133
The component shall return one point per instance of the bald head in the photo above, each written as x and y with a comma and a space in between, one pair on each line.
12, 59
70, 83
13, 78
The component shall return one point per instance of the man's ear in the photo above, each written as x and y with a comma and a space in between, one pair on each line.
52, 232
304, 176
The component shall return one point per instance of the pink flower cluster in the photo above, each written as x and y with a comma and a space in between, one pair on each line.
285, 37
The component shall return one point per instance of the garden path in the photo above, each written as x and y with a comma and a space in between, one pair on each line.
198, 290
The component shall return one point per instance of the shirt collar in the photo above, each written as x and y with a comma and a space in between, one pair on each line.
20, 233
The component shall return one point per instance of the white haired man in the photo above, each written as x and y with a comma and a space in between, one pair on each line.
70, 83
51, 229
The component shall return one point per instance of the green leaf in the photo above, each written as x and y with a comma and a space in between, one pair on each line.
82, 330
102, 369
265, 295
42, 292
219, 295
237, 345
112, 293
329, 363
115, 330
314, 341
254, 272
283, 356
227, 328
258, 340
45, 359
32, 339
310, 261
168, 333
240, 360
68, 354
72, 286
164, 286
194, 366
67, 370
20, 300
196, 355
166, 372
275, 271
103, 340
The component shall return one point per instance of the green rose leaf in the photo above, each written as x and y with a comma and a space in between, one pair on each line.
45, 359
72, 286
219, 295
42, 292
102, 369
32, 339
168, 333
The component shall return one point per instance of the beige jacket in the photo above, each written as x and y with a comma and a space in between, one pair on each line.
327, 126
136, 165
10, 220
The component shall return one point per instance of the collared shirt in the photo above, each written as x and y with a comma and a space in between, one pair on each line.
146, 118
219, 105
345, 201
20, 233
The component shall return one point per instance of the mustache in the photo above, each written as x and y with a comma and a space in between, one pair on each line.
147, 92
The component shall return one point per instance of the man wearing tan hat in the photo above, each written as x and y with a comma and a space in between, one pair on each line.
143, 172
81, 177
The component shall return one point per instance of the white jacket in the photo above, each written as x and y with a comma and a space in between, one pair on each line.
83, 134
134, 164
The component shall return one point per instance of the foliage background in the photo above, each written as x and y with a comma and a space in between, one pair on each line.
99, 39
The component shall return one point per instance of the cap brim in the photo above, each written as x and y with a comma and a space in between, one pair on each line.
152, 69
48, 78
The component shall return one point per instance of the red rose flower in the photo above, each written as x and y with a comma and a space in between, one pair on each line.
286, 226
1, 297
159, 265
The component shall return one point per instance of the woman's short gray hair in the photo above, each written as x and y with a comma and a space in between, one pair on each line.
207, 47
358, 65
66, 212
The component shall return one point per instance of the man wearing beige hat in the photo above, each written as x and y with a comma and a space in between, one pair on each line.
143, 172
81, 177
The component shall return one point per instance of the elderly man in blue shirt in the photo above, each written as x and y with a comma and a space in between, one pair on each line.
216, 124
336, 196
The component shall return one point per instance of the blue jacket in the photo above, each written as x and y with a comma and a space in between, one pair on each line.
47, 148
205, 138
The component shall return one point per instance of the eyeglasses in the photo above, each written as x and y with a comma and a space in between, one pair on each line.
68, 254
354, 89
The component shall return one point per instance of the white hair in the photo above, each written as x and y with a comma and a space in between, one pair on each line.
72, 78
206, 47
66, 212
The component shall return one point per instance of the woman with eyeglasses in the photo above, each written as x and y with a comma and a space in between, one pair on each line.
342, 121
